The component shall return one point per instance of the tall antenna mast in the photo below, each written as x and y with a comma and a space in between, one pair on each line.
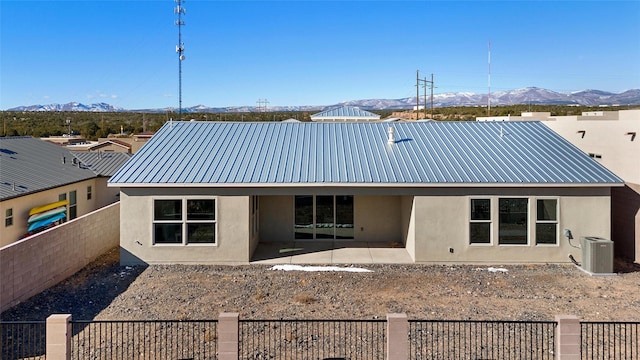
179, 10
489, 82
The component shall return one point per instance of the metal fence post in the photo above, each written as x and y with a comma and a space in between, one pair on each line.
59, 337
568, 337
397, 337
228, 337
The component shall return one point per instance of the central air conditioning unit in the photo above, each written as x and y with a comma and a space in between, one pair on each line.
597, 255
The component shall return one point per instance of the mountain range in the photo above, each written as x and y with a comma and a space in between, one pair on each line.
530, 95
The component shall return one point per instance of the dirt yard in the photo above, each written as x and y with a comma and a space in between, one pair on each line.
105, 290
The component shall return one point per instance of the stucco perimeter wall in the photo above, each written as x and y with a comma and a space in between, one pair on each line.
34, 264
136, 236
441, 225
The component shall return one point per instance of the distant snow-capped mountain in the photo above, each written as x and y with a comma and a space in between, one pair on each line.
72, 106
530, 95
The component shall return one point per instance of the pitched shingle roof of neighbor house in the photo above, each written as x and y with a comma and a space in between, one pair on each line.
29, 165
345, 113
102, 163
423, 154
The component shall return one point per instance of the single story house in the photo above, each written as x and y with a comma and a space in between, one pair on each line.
34, 173
110, 145
448, 192
345, 113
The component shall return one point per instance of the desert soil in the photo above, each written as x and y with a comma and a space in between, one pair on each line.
105, 290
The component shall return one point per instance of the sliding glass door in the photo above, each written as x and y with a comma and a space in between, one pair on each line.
304, 217
323, 217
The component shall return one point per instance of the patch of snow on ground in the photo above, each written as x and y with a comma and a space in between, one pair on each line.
317, 268
492, 269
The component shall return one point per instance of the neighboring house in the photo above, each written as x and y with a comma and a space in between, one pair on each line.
35, 172
135, 141
613, 139
111, 145
345, 113
449, 192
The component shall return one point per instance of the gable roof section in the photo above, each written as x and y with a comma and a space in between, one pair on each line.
29, 165
345, 112
102, 163
105, 143
230, 154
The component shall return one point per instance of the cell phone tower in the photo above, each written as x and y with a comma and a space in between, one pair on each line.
180, 10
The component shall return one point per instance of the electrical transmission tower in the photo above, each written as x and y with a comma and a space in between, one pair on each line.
262, 105
180, 10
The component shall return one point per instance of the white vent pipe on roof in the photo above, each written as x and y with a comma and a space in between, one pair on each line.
391, 139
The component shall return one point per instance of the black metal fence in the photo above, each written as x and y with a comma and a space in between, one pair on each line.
610, 340
320, 339
23, 340
434, 339
312, 339
120, 340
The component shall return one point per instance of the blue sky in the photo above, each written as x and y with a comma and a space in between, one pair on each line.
308, 52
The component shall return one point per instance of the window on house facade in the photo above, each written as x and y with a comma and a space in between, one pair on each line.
547, 221
61, 197
513, 221
480, 221
8, 219
184, 221
73, 205
88, 192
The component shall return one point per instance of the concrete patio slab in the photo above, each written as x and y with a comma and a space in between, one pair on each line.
330, 252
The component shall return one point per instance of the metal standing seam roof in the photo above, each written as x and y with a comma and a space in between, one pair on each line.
102, 163
345, 112
424, 154
29, 165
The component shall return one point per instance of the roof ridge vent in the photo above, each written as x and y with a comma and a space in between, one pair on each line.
391, 139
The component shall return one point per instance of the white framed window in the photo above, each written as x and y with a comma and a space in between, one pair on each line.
89, 193
513, 221
480, 221
8, 218
547, 221
184, 221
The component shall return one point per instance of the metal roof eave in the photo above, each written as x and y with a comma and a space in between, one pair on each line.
358, 185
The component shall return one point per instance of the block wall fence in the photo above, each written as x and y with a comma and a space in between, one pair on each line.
34, 264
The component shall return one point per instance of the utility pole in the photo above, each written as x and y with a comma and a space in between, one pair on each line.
417, 93
424, 83
432, 86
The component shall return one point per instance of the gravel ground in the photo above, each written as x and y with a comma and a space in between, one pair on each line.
105, 290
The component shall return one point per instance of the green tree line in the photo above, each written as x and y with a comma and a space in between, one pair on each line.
92, 125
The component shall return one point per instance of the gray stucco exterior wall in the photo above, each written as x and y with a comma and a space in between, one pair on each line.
432, 223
